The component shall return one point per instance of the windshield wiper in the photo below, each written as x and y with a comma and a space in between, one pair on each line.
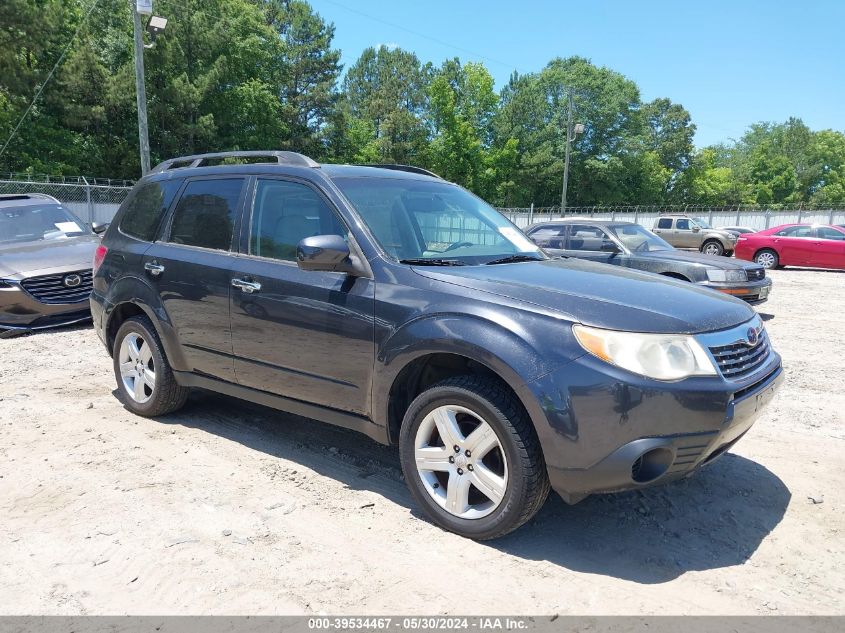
426, 261
510, 259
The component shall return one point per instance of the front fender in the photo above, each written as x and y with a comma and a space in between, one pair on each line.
515, 359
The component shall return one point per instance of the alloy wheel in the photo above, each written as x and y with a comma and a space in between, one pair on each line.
766, 260
461, 462
712, 249
137, 368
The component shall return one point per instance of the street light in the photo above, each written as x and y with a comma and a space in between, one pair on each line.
571, 134
155, 27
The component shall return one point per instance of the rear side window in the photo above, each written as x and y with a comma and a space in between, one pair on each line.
548, 236
285, 213
205, 214
145, 208
664, 223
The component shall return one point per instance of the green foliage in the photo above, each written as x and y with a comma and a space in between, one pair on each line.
262, 74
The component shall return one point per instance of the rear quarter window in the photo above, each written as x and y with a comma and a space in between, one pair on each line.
145, 207
664, 223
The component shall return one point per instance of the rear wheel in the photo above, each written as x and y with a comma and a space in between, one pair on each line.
712, 247
471, 458
145, 381
767, 258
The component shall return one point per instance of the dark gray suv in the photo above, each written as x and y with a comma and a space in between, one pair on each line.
387, 300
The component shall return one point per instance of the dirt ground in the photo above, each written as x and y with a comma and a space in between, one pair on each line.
229, 508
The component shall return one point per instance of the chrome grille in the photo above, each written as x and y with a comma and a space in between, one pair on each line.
738, 359
52, 289
756, 274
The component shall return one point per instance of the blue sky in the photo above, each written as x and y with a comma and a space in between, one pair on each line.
729, 63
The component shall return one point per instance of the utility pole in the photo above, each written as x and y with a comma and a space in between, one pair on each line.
140, 90
566, 160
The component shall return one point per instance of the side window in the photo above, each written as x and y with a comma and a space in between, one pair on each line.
827, 233
664, 223
682, 225
205, 215
583, 237
145, 208
548, 236
283, 214
796, 231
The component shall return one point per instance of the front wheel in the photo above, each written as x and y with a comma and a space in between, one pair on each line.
471, 458
145, 381
712, 247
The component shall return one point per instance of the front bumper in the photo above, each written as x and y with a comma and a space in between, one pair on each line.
20, 313
603, 429
753, 292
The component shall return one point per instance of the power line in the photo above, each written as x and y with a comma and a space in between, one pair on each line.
422, 35
94, 3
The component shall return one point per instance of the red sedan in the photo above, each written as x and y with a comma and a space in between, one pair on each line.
815, 245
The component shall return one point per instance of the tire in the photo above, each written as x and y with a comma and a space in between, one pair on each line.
510, 460
712, 247
729, 253
141, 394
767, 258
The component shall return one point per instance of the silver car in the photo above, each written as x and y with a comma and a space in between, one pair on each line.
46, 255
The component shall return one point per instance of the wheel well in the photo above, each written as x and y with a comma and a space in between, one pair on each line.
675, 276
422, 373
117, 318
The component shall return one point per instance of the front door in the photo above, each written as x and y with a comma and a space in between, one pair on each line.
828, 248
299, 334
685, 236
190, 270
586, 241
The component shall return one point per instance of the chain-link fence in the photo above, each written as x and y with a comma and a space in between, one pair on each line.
92, 200
754, 217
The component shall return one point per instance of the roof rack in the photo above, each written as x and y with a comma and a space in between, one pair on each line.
197, 160
408, 168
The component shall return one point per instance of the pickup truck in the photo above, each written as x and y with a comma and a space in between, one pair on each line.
682, 231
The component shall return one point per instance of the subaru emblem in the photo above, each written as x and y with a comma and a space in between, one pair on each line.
752, 336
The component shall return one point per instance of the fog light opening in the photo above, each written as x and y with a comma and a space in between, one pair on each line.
651, 465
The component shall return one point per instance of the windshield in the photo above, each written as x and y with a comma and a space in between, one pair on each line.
636, 238
424, 222
704, 224
38, 222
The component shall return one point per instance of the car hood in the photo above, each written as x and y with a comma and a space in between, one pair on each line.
717, 261
47, 255
603, 296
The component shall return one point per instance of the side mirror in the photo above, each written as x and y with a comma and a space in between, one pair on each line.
328, 253
99, 227
696, 229
609, 246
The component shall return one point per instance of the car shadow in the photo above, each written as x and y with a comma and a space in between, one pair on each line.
715, 519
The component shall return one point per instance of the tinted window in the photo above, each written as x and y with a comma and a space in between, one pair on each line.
664, 223
145, 207
827, 233
283, 214
796, 231
682, 225
548, 236
205, 214
583, 237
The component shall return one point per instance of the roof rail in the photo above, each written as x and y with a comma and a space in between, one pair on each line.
408, 168
197, 160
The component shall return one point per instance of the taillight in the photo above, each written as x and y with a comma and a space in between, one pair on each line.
99, 256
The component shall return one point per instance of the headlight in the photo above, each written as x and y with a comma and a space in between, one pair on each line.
659, 356
715, 274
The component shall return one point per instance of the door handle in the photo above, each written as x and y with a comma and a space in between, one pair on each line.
154, 269
246, 286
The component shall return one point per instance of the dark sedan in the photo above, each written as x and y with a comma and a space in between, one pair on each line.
46, 255
632, 246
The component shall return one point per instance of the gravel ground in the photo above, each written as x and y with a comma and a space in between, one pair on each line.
230, 508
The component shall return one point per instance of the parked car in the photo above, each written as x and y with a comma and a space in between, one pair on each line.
631, 246
45, 264
392, 302
682, 231
737, 230
816, 245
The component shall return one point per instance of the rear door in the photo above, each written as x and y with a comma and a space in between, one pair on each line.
828, 248
664, 229
190, 268
550, 237
299, 334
